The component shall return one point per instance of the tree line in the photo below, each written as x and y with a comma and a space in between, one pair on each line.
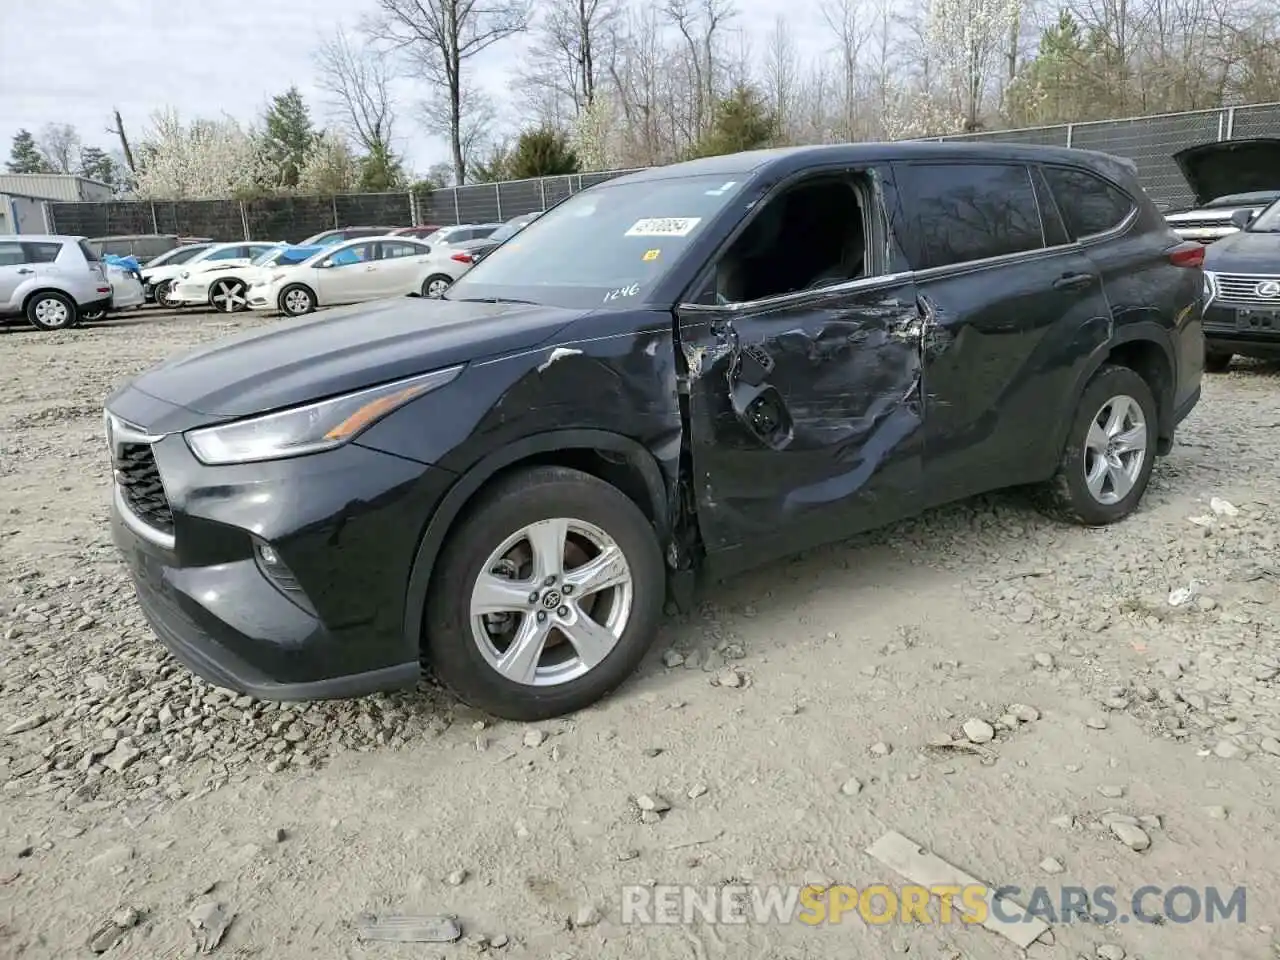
606, 84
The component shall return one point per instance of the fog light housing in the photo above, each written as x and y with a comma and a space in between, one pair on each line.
273, 567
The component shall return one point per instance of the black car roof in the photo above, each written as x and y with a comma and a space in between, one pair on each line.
784, 161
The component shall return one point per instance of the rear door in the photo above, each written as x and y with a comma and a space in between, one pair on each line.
400, 267
1009, 304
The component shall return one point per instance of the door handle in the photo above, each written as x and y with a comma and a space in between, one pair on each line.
25, 270
1073, 281
369, 268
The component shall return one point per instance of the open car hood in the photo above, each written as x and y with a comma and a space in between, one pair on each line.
1214, 170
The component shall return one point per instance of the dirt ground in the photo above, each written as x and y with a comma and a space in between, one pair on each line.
134, 795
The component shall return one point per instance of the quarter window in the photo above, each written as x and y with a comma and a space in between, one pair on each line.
1089, 204
43, 252
394, 251
958, 213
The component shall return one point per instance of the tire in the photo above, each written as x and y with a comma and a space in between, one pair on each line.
1068, 495
459, 646
161, 295
92, 316
1217, 361
50, 310
297, 300
228, 296
436, 280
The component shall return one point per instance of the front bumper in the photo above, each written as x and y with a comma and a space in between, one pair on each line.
1255, 334
327, 619
190, 293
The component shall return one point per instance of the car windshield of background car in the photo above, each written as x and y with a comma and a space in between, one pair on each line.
1268, 221
608, 246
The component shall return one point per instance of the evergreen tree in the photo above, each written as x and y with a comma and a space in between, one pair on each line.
288, 137
742, 122
544, 152
97, 164
24, 155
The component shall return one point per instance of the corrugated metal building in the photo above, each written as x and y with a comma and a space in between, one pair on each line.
62, 187
19, 214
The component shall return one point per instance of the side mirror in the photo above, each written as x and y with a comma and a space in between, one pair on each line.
1242, 218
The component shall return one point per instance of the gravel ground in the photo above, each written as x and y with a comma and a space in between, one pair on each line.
1126, 684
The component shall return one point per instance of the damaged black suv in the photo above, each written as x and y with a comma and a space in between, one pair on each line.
690, 370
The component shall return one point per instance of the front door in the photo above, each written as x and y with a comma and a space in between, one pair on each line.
805, 406
351, 277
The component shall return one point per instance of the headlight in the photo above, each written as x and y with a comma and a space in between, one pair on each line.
310, 429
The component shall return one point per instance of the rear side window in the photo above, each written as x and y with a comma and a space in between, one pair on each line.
12, 255
42, 252
230, 253
1089, 204
959, 213
88, 252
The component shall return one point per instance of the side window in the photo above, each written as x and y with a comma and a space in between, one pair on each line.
89, 253
1089, 204
811, 235
258, 249
961, 212
393, 251
349, 255
42, 252
12, 255
230, 253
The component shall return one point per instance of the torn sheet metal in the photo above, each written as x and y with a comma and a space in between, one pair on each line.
559, 353
909, 859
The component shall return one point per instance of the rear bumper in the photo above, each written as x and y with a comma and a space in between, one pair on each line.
93, 306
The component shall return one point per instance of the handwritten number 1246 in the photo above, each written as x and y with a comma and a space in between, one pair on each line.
621, 292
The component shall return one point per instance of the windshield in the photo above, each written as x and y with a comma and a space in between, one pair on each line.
267, 257
1268, 221
504, 231
1259, 197
178, 255
607, 245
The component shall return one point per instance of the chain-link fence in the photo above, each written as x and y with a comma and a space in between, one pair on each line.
1148, 141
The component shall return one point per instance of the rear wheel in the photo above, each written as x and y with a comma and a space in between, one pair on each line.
1110, 451
296, 300
547, 596
52, 311
229, 296
91, 316
435, 285
1217, 361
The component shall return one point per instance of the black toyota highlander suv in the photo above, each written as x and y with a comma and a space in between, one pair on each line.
682, 372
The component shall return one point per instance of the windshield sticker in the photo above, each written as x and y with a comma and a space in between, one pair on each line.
722, 189
663, 227
650, 255
622, 292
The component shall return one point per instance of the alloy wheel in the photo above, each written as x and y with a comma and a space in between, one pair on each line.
552, 602
436, 288
229, 296
1115, 450
297, 302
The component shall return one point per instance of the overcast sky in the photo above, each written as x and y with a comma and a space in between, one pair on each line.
71, 61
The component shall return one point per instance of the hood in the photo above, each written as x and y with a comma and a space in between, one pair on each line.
166, 271
209, 266
1214, 170
309, 358
1245, 252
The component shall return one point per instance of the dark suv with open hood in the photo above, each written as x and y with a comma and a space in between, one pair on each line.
1229, 179
686, 371
1242, 291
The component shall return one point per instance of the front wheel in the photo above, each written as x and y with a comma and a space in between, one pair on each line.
547, 596
229, 296
435, 285
297, 300
1217, 361
163, 294
1110, 451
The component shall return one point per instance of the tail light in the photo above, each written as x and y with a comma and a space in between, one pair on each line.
1189, 254
463, 258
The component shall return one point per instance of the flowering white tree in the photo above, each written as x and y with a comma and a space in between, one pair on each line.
330, 167
593, 137
203, 159
968, 40
918, 114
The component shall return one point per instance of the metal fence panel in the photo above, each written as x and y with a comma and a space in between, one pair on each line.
1248, 122
1055, 136
289, 218
518, 197
1150, 143
218, 219
95, 219
373, 210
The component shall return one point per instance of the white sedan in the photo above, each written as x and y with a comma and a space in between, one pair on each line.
224, 284
356, 271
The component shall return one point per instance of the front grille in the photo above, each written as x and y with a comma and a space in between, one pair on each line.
1236, 288
139, 480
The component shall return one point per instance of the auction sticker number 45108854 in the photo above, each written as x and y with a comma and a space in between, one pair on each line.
663, 227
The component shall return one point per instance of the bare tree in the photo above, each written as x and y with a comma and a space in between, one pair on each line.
782, 74
569, 56
358, 78
438, 37
59, 144
700, 23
